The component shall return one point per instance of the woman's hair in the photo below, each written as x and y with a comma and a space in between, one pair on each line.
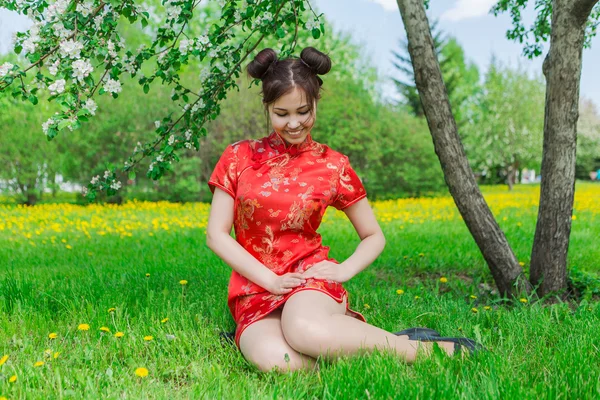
280, 76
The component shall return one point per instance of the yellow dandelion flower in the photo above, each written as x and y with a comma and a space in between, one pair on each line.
473, 296
183, 282
119, 334
521, 263
69, 246
487, 308
406, 257
574, 217
367, 306
38, 364
421, 254
417, 297
3, 398
164, 320
399, 291
3, 359
64, 240
12, 379
52, 335
56, 354
83, 327
147, 275
148, 338
105, 329
523, 300
112, 309
519, 224
141, 372
443, 279
474, 310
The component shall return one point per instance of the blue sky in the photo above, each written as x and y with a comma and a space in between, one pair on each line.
376, 24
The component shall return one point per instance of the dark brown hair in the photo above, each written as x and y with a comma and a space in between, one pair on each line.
280, 76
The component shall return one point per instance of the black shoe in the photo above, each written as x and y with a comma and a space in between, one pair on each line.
459, 343
419, 333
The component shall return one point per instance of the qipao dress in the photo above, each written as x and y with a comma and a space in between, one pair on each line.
281, 192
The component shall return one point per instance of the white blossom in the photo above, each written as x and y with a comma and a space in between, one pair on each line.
84, 191
157, 124
151, 167
29, 46
188, 145
184, 45
60, 30
311, 24
203, 39
198, 105
204, 74
237, 16
95, 179
160, 158
106, 174
98, 19
57, 87
91, 106
213, 53
4, 68
116, 185
53, 68
81, 69
112, 86
71, 48
46, 125
56, 9
188, 134
85, 8
171, 140
111, 48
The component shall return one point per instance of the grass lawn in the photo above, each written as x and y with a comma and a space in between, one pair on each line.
63, 265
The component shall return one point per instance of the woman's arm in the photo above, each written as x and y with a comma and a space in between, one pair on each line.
372, 240
219, 240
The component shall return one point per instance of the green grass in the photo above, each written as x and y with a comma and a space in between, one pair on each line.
536, 351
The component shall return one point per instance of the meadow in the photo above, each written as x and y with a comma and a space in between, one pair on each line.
108, 301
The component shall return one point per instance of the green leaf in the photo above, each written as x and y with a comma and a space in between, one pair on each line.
316, 33
146, 88
33, 99
18, 49
280, 33
132, 175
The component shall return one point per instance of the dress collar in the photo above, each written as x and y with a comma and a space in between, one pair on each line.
281, 146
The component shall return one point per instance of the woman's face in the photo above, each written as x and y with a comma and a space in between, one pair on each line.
291, 117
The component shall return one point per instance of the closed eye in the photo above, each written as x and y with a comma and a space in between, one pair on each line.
301, 113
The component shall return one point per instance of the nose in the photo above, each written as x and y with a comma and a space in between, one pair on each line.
293, 125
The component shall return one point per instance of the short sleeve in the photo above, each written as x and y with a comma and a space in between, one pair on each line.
224, 176
349, 189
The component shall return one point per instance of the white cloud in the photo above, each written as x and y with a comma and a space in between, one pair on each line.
464, 9
388, 5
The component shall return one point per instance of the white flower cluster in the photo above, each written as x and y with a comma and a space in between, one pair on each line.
106, 174
171, 140
81, 69
71, 48
95, 179
311, 24
116, 185
46, 125
60, 30
111, 49
173, 10
184, 45
198, 105
56, 10
85, 8
30, 44
266, 17
112, 86
57, 86
91, 106
5, 68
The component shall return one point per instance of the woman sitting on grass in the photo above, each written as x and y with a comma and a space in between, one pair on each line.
285, 293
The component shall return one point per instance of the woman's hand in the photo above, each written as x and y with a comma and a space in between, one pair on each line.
283, 284
328, 270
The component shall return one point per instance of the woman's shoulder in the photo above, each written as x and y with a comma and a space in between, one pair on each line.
333, 155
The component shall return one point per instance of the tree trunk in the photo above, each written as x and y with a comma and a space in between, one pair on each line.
562, 68
459, 177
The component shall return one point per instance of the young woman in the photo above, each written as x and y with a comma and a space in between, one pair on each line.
285, 292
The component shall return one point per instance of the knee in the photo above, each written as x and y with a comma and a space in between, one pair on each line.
306, 334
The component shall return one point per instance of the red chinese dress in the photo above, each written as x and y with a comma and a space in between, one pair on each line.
281, 192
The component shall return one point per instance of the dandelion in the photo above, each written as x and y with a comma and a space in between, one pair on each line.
473, 296
417, 297
83, 327
105, 329
12, 379
421, 254
183, 282
147, 275
3, 359
52, 335
119, 334
474, 310
523, 300
69, 246
487, 308
399, 291
148, 338
164, 320
38, 364
443, 279
521, 263
367, 306
112, 309
141, 372
56, 354
574, 217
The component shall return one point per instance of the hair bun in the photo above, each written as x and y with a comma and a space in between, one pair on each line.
319, 62
261, 63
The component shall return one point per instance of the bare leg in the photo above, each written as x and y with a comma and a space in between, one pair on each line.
315, 324
263, 344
